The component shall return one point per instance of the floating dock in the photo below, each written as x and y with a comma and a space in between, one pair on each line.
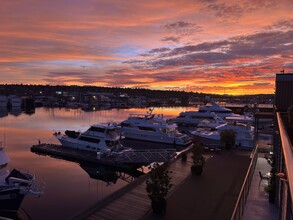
127, 160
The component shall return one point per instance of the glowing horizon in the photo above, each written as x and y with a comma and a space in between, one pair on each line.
213, 46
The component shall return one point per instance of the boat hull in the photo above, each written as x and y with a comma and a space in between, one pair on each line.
214, 141
10, 199
176, 141
78, 145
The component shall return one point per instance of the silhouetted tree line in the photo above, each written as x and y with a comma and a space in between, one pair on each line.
49, 90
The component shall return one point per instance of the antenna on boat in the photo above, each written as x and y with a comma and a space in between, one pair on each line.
150, 111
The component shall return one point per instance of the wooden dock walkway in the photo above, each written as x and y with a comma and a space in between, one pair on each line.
132, 201
128, 159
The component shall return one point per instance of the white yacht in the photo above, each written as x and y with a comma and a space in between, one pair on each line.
152, 128
194, 118
3, 101
211, 137
217, 109
101, 137
14, 101
212, 112
14, 185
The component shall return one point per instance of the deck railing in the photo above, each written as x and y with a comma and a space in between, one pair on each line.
285, 188
240, 204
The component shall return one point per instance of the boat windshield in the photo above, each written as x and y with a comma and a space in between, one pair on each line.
113, 145
111, 132
97, 129
168, 130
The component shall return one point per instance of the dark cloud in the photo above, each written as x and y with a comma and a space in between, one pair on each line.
203, 47
61, 74
178, 25
263, 44
262, 84
135, 60
226, 11
156, 51
284, 24
160, 50
182, 28
172, 39
193, 59
288, 65
224, 53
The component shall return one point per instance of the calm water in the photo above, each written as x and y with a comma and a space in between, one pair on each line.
68, 188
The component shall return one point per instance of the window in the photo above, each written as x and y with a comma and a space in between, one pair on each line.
146, 128
89, 139
97, 129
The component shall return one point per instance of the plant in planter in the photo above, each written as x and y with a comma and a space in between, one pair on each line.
157, 187
228, 138
197, 158
184, 156
290, 116
271, 187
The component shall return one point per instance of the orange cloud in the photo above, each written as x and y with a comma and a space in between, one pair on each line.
193, 45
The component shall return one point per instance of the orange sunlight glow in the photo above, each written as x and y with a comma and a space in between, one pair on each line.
202, 46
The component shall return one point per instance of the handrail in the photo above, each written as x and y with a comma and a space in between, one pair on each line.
239, 207
288, 153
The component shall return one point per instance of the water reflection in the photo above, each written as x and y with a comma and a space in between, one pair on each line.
16, 111
21, 214
69, 189
110, 175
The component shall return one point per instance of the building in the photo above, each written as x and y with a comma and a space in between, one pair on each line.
284, 91
283, 149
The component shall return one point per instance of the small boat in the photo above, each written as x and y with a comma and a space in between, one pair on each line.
101, 137
153, 128
14, 185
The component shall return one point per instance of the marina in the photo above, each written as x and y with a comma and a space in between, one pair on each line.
146, 110
104, 169
77, 186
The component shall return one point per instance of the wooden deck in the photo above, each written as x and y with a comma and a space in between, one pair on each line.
127, 160
132, 202
79, 156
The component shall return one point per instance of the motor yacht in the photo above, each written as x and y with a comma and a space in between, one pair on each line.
152, 128
15, 185
217, 109
14, 101
244, 135
212, 112
101, 137
194, 118
3, 101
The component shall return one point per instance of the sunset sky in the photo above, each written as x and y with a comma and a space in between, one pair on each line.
213, 46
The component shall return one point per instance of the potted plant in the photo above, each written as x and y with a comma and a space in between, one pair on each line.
271, 187
157, 187
228, 138
290, 116
184, 156
197, 158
